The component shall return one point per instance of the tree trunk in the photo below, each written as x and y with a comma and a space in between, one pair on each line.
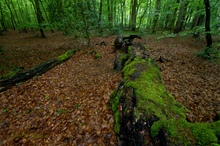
7, 82
2, 18
149, 19
197, 21
15, 12
133, 15
142, 16
13, 21
207, 24
110, 13
146, 114
48, 20
39, 18
100, 17
122, 13
181, 17
156, 16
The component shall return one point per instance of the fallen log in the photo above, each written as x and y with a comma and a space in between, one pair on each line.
12, 78
146, 114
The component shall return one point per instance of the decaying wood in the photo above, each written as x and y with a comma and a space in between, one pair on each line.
145, 113
122, 42
7, 82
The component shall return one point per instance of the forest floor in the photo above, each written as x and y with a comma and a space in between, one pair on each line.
68, 104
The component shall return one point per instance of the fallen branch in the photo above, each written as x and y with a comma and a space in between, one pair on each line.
7, 81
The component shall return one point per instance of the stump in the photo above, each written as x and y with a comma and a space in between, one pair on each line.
146, 114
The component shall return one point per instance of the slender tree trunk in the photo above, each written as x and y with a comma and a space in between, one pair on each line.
122, 13
51, 26
2, 18
15, 12
112, 11
109, 13
156, 16
86, 26
181, 17
207, 24
133, 15
148, 19
27, 13
100, 17
197, 21
142, 16
39, 18
114, 17
13, 21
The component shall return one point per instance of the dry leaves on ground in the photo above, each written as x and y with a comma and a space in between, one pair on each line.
68, 104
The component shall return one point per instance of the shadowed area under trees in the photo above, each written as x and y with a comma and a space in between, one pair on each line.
109, 72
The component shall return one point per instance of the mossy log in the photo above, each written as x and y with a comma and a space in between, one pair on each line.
12, 78
146, 114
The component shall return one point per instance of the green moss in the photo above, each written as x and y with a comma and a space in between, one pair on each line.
98, 55
117, 122
67, 55
151, 95
8, 75
152, 98
114, 101
12, 73
203, 133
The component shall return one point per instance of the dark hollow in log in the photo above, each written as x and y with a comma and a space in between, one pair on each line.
9, 81
146, 114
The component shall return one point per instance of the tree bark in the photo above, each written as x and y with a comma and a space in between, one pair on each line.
181, 17
133, 15
207, 24
13, 21
7, 82
146, 114
39, 18
2, 18
100, 17
156, 16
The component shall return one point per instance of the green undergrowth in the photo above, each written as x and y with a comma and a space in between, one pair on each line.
153, 99
212, 54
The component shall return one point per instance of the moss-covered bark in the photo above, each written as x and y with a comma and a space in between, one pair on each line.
14, 77
147, 114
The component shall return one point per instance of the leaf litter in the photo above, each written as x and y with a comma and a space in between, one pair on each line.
68, 104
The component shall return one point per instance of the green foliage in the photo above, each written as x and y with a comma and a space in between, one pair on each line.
47, 97
59, 112
98, 55
209, 53
78, 105
167, 35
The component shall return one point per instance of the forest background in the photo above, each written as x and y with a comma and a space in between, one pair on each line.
85, 18
67, 94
